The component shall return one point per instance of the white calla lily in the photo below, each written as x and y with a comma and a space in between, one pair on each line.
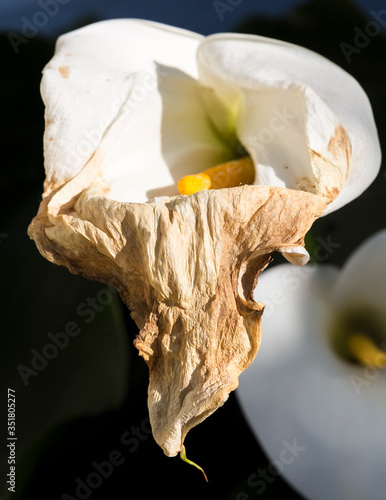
301, 388
281, 102
134, 110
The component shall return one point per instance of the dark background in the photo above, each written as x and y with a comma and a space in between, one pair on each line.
74, 411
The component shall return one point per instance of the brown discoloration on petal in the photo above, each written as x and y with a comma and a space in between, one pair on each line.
64, 71
340, 147
331, 169
306, 184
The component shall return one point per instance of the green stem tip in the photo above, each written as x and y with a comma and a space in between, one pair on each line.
185, 459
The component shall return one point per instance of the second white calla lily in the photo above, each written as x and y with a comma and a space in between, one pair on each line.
302, 388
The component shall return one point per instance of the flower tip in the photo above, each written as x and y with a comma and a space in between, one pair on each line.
185, 459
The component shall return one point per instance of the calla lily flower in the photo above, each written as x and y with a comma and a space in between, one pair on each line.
319, 379
176, 166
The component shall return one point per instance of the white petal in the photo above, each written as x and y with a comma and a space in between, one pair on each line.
362, 282
126, 92
298, 389
284, 101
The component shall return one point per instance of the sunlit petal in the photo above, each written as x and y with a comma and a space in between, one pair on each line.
125, 91
286, 104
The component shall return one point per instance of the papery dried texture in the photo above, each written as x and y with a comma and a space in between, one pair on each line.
186, 267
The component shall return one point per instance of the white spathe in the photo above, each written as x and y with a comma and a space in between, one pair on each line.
300, 389
155, 103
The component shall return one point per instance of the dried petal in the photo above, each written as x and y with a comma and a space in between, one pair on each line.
186, 267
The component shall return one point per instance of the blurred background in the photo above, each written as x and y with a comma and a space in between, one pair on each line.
83, 403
